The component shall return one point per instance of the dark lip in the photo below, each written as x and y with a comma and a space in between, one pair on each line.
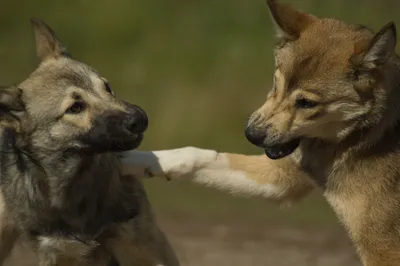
133, 142
280, 151
128, 145
138, 141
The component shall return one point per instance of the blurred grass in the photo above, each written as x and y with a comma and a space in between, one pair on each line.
199, 68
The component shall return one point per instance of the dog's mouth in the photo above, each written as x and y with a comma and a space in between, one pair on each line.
282, 150
119, 144
130, 144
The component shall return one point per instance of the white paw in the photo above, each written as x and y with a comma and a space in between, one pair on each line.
184, 162
141, 164
171, 164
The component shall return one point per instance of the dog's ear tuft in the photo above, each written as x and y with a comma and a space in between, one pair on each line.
10, 99
289, 22
12, 107
47, 44
378, 51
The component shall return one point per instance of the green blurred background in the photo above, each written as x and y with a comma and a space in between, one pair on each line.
198, 67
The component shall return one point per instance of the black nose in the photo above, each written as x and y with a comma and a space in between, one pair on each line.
255, 136
137, 121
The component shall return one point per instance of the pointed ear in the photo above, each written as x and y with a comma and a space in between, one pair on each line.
47, 44
289, 22
380, 48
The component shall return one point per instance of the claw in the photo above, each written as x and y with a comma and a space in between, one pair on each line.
148, 173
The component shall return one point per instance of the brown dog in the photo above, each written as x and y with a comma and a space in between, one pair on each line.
331, 121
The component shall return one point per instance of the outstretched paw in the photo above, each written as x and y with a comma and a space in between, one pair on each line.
184, 162
141, 164
171, 164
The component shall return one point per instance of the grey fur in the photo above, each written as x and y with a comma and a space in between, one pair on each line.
61, 186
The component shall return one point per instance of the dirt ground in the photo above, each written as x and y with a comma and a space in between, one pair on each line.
228, 244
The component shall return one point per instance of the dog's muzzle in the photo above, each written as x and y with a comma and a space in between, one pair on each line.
281, 150
132, 128
255, 136
273, 149
136, 121
116, 131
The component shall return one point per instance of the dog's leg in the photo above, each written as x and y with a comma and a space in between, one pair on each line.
140, 241
8, 233
277, 180
67, 251
147, 246
8, 237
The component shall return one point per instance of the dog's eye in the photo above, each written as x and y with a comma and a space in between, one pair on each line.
304, 103
76, 108
108, 88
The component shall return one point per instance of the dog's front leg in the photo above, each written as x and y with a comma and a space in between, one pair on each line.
8, 237
278, 180
8, 233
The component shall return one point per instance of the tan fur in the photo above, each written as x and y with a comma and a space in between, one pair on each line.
335, 100
282, 173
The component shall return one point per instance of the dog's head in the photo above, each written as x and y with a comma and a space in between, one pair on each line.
72, 107
328, 81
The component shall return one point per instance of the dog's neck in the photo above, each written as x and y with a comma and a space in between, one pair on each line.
88, 186
70, 175
66, 193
